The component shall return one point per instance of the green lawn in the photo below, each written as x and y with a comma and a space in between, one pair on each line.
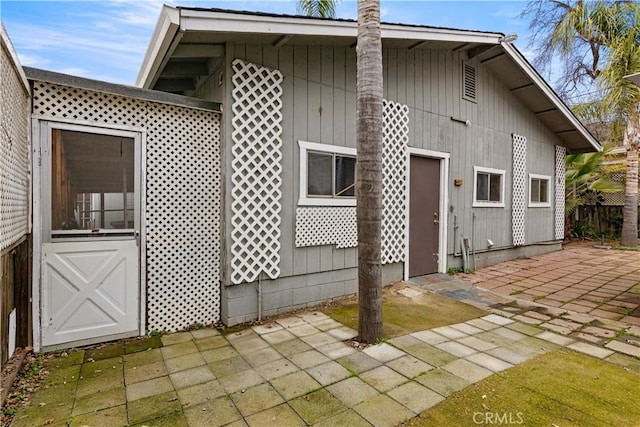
561, 388
402, 315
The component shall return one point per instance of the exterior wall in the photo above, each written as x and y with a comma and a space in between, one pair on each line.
240, 302
319, 106
434, 96
15, 169
181, 180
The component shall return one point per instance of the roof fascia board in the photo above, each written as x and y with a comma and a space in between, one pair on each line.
212, 21
549, 93
13, 56
164, 33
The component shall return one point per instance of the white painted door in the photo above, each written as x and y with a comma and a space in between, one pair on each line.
90, 256
91, 290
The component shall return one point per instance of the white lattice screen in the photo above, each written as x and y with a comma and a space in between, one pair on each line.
256, 178
326, 226
519, 189
394, 180
337, 225
183, 197
560, 191
14, 154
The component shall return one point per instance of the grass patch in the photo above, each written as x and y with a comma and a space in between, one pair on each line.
516, 292
559, 388
402, 315
627, 248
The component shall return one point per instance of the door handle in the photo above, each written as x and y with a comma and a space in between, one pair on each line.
435, 218
137, 236
435, 221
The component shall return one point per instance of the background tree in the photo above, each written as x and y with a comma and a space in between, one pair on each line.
318, 8
599, 40
623, 98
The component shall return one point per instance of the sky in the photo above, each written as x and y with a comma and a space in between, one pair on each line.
107, 39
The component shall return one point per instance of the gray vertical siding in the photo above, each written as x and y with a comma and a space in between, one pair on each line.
319, 106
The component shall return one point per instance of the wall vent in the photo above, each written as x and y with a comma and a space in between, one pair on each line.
469, 87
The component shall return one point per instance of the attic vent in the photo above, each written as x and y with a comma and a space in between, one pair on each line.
469, 82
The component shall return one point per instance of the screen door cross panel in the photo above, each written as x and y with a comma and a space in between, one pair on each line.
90, 262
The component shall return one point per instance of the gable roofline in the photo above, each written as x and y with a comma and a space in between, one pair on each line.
519, 59
173, 23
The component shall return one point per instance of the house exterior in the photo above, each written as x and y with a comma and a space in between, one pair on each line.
221, 188
474, 149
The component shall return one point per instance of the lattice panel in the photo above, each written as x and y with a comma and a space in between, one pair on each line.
326, 226
394, 180
14, 154
560, 191
79, 104
519, 189
183, 195
183, 216
337, 226
256, 178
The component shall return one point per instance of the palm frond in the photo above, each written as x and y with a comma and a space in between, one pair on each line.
318, 8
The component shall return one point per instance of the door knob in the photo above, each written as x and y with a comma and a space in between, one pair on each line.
435, 221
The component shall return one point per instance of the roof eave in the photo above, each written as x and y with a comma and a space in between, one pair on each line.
163, 38
552, 96
229, 22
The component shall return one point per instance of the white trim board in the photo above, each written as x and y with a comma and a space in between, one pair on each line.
304, 200
444, 203
487, 204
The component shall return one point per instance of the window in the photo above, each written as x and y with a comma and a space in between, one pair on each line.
539, 191
469, 82
488, 187
327, 175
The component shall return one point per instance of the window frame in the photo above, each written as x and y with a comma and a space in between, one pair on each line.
306, 200
546, 204
485, 203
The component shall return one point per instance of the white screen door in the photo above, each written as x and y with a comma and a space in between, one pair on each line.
90, 190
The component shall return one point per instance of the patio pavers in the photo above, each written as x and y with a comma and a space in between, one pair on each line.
204, 378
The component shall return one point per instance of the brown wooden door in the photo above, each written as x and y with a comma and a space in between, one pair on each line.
424, 215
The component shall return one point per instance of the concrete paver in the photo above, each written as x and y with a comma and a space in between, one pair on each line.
383, 411
625, 348
591, 350
352, 391
491, 363
383, 378
298, 371
409, 366
416, 397
442, 382
329, 373
383, 352
467, 370
148, 388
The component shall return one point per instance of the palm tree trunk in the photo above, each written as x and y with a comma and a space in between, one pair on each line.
369, 169
629, 236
